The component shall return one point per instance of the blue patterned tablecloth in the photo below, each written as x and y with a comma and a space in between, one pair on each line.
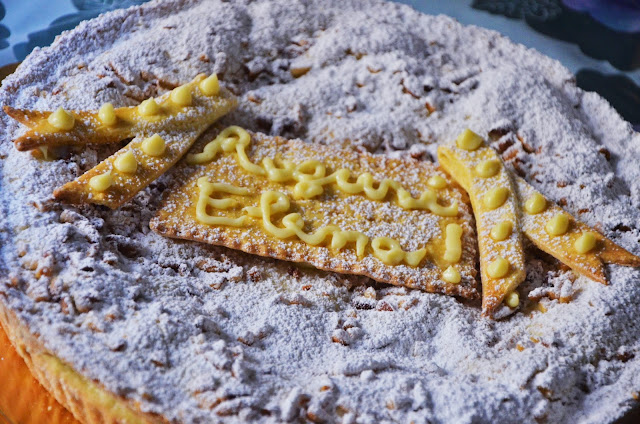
598, 40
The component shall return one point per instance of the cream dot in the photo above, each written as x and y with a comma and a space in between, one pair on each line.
558, 225
498, 268
512, 300
585, 243
210, 86
154, 145
149, 107
535, 204
451, 275
495, 197
469, 140
107, 114
61, 120
181, 95
487, 168
126, 163
501, 231
101, 182
437, 182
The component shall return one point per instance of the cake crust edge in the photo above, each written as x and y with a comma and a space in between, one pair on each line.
88, 401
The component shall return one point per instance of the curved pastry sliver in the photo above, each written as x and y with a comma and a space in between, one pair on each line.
177, 124
498, 187
591, 263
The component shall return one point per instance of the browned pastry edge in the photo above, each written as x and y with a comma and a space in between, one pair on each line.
87, 400
466, 289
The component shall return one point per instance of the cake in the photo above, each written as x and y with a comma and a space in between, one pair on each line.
120, 323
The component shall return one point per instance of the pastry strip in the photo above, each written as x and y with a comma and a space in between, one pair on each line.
537, 227
89, 128
544, 223
246, 198
119, 177
123, 186
495, 206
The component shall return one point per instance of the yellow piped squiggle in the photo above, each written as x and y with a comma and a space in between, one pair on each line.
204, 200
273, 202
453, 243
311, 175
384, 248
230, 139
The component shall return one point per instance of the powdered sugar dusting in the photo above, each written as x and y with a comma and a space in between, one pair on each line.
199, 333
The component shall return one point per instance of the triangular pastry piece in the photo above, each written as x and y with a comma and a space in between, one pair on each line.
479, 170
561, 235
163, 129
396, 221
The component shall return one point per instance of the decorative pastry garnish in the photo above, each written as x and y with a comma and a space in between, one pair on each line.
477, 167
163, 130
399, 222
569, 240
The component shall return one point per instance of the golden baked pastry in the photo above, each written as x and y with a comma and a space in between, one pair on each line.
337, 210
83, 400
504, 211
173, 330
567, 239
480, 172
23, 399
163, 129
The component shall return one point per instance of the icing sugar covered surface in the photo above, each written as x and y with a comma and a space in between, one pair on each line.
198, 333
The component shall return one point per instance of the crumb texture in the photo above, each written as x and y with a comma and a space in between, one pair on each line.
204, 334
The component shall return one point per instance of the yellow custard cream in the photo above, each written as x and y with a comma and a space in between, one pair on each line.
451, 275
107, 114
274, 202
311, 176
453, 243
149, 107
61, 120
204, 200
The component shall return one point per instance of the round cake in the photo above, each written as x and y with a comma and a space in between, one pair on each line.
124, 325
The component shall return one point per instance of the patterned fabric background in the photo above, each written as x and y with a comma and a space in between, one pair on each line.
598, 40
606, 30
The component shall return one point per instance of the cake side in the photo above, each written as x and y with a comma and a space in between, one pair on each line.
86, 400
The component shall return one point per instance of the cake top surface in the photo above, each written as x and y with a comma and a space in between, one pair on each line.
192, 331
